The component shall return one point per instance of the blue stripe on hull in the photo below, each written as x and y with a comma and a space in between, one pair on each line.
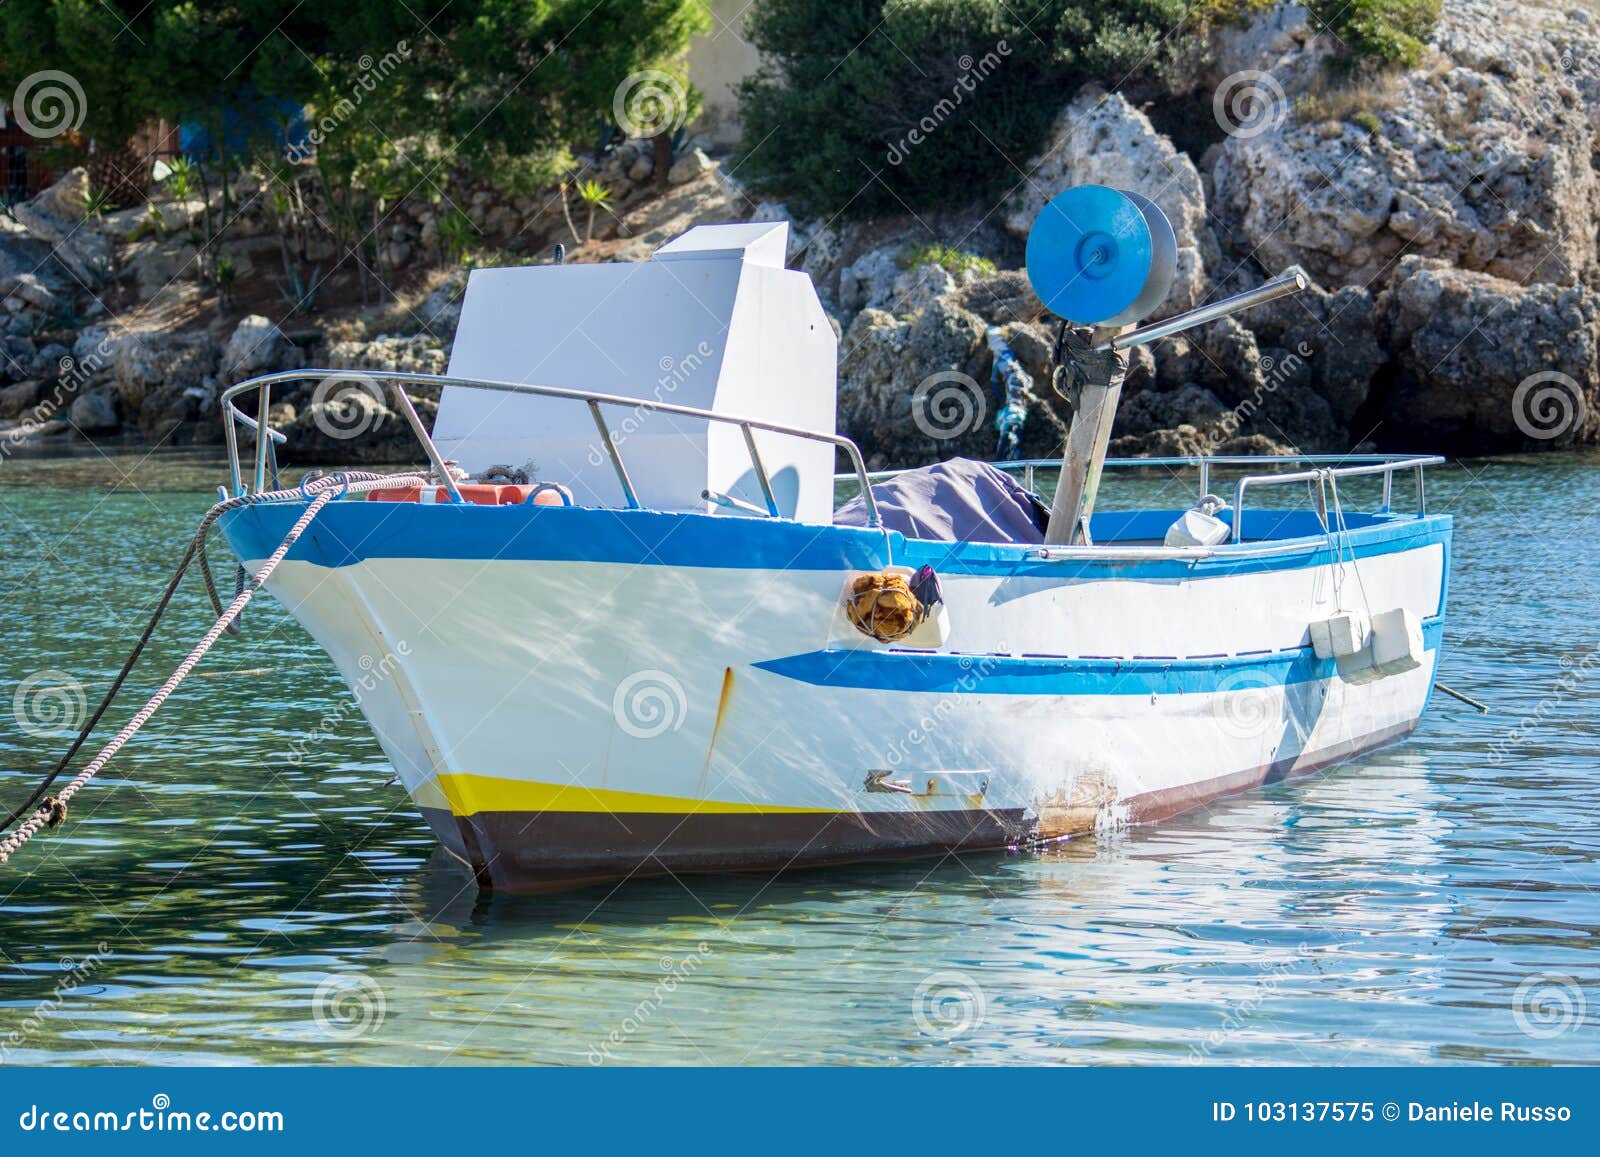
1042, 675
350, 532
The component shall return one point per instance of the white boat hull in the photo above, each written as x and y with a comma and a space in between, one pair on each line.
565, 714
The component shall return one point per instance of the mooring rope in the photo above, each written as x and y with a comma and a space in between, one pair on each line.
52, 810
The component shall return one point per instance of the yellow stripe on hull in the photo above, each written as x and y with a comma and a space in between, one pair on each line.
469, 794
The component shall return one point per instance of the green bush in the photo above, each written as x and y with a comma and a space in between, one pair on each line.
868, 106
1383, 31
951, 260
889, 106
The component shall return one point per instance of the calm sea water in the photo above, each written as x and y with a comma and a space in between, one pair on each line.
210, 901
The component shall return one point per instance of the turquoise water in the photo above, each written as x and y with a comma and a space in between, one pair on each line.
1438, 902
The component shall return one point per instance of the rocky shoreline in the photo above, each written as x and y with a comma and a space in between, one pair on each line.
1448, 219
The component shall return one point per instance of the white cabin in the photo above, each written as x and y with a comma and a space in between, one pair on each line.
713, 320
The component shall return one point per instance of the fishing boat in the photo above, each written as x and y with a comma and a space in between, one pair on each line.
621, 626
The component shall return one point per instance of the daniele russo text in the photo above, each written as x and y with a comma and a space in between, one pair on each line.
1480, 1112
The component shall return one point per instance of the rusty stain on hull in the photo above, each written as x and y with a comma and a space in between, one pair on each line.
716, 727
546, 851
1077, 807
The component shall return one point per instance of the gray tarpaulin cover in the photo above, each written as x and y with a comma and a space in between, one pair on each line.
955, 501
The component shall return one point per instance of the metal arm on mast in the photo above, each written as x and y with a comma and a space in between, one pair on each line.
1100, 367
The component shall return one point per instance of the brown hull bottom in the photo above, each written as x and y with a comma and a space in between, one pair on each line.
547, 851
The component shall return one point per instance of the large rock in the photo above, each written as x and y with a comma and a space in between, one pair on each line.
25, 256
1325, 342
889, 371
31, 290
1486, 364
417, 354
1002, 298
16, 359
1282, 42
257, 347
917, 388
1265, 390
689, 166
50, 361
868, 281
1102, 139
440, 311
156, 263
83, 252
345, 423
15, 399
93, 414
1483, 157
167, 380
66, 199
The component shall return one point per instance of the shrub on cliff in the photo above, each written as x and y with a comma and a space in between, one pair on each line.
884, 106
874, 106
1382, 31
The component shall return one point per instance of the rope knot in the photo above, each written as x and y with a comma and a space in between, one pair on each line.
54, 810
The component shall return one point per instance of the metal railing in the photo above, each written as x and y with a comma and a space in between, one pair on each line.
1330, 467
1332, 474
265, 455
1327, 467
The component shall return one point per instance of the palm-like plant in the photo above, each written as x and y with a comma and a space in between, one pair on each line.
595, 195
